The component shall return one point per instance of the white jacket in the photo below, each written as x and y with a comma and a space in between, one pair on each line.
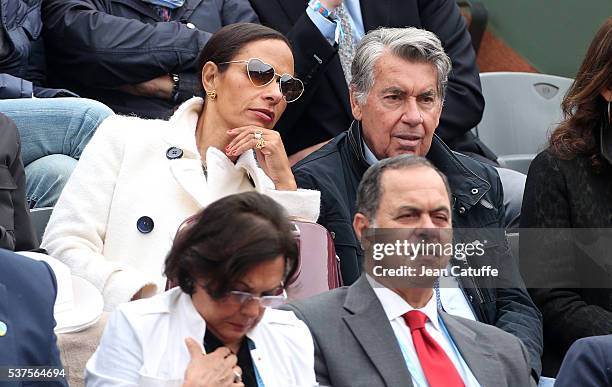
144, 345
124, 174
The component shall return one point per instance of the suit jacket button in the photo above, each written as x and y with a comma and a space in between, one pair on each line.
145, 224
191, 26
462, 210
174, 153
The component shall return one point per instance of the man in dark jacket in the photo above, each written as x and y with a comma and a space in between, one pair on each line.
137, 56
397, 91
324, 110
53, 131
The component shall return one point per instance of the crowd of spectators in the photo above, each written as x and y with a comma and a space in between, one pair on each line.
176, 139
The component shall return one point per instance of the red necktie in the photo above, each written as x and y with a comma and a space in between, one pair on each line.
438, 368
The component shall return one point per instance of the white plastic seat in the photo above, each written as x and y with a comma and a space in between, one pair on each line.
521, 110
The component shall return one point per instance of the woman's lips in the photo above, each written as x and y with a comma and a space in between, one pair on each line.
266, 115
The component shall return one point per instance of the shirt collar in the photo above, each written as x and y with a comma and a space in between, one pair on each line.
395, 306
369, 155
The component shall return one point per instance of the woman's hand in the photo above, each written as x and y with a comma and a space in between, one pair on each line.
271, 157
216, 369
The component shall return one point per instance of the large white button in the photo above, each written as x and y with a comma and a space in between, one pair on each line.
190, 26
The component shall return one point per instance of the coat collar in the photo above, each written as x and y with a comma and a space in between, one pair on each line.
366, 317
460, 178
224, 176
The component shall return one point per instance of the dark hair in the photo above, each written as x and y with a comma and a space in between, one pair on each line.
583, 106
226, 43
370, 190
231, 236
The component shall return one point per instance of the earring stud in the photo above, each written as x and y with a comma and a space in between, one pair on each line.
212, 94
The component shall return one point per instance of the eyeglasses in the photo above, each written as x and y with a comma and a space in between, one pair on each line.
261, 74
236, 297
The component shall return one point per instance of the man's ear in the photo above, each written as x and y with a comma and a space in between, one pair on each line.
355, 107
360, 225
209, 75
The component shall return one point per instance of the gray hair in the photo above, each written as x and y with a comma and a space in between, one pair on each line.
370, 190
412, 44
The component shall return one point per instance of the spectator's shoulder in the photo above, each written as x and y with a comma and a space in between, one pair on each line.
480, 169
322, 158
319, 307
16, 266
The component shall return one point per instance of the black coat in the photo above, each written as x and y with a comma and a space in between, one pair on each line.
336, 170
98, 45
16, 231
22, 56
324, 110
560, 195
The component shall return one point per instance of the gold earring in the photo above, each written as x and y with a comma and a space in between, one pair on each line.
212, 94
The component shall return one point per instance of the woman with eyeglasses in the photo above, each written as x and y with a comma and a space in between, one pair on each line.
139, 179
232, 262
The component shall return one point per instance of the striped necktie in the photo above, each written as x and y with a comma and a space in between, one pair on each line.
346, 48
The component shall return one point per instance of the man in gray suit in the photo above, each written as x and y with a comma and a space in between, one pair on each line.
379, 333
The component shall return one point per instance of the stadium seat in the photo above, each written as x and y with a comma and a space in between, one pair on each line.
40, 218
521, 110
319, 269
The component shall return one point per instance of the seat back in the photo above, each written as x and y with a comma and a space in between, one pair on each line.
319, 268
40, 218
521, 110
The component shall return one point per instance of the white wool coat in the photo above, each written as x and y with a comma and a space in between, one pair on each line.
124, 174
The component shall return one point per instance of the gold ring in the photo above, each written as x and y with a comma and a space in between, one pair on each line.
258, 134
260, 143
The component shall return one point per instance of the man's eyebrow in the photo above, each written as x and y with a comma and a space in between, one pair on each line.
428, 93
393, 89
444, 209
408, 208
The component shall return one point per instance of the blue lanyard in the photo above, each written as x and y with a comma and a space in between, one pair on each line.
251, 345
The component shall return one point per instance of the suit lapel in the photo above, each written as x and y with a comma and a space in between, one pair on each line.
372, 330
482, 362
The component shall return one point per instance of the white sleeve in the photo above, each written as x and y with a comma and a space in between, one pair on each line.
118, 359
77, 227
303, 203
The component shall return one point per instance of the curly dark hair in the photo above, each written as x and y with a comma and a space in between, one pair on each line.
584, 108
227, 239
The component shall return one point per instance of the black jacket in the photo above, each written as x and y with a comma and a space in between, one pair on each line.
22, 56
324, 110
336, 170
98, 45
574, 295
16, 231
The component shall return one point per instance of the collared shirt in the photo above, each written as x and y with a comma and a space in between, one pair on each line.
395, 307
331, 30
452, 297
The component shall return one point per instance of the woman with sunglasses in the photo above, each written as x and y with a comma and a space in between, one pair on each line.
216, 329
139, 179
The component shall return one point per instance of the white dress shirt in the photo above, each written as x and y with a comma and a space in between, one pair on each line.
395, 307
